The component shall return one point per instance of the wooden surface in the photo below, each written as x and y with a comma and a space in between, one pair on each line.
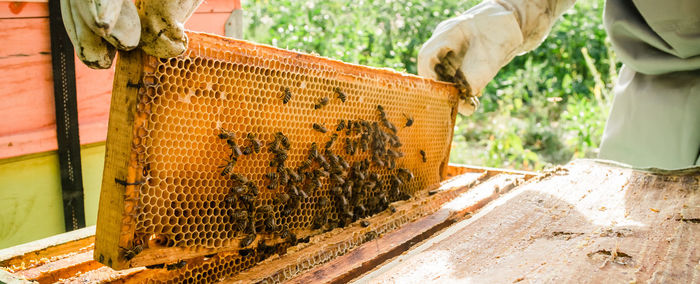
64, 256
373, 253
120, 161
585, 223
27, 120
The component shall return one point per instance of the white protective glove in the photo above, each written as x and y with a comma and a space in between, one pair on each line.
487, 37
97, 28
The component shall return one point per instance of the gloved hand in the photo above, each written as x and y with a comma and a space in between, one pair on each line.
98, 28
484, 39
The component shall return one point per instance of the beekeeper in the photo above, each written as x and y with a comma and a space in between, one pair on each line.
655, 116
97, 28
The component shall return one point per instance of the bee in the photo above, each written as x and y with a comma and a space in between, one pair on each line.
349, 214
293, 175
270, 224
348, 147
313, 151
319, 221
131, 253
319, 128
254, 142
337, 191
323, 202
248, 200
283, 176
247, 150
396, 180
364, 223
316, 182
389, 125
340, 93
378, 161
361, 210
338, 179
321, 103
304, 165
286, 96
239, 178
343, 201
240, 218
238, 189
392, 153
228, 168
405, 172
357, 126
247, 240
364, 142
252, 188
225, 134
422, 154
230, 199
332, 225
409, 120
284, 233
282, 198
177, 265
283, 139
309, 187
391, 164
349, 127
343, 163
272, 176
235, 150
382, 199
330, 142
265, 209
382, 114
293, 190
340, 126
303, 194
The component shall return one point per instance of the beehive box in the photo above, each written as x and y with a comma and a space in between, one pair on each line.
164, 197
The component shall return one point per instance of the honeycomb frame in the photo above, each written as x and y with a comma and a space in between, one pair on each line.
162, 189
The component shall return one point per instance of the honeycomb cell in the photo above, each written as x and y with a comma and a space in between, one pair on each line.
238, 86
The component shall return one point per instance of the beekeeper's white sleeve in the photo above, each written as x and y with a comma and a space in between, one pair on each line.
489, 35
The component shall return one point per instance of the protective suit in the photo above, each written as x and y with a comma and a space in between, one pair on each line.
97, 28
655, 116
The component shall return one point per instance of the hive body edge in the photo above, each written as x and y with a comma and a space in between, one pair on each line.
118, 161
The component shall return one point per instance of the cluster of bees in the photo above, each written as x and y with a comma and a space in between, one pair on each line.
356, 190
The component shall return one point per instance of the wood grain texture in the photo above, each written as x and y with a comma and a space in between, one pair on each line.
27, 122
119, 165
63, 256
586, 223
371, 254
17, 9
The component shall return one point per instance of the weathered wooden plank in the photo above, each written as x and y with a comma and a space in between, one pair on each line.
373, 253
26, 111
328, 247
118, 157
62, 256
586, 223
23, 9
35, 253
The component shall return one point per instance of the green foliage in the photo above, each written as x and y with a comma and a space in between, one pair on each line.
545, 107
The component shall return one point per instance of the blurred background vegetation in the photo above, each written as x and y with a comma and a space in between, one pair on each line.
544, 108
